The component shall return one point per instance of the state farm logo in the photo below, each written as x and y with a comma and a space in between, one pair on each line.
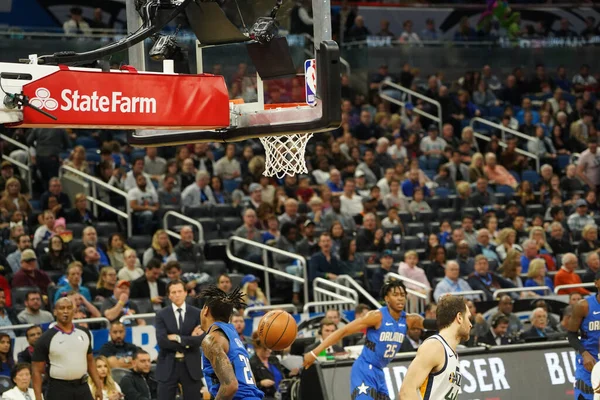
43, 100
72, 100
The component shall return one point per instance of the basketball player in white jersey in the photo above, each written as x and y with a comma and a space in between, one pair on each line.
596, 381
435, 372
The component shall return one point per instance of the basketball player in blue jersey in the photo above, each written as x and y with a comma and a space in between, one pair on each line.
585, 322
225, 360
386, 329
435, 374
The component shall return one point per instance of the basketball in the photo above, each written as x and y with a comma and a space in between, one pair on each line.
277, 330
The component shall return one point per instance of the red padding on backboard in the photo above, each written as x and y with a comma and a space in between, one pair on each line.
124, 100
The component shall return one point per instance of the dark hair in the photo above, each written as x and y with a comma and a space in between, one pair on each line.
135, 160
138, 352
345, 248
32, 291
172, 264
434, 250
285, 229
498, 319
9, 357
32, 327
448, 308
18, 368
390, 285
153, 264
173, 283
221, 304
361, 308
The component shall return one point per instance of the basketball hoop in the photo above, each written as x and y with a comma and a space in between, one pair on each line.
285, 154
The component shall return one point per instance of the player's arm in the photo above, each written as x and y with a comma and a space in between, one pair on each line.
214, 346
372, 319
580, 311
430, 358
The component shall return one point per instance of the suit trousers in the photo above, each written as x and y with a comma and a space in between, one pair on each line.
68, 390
179, 375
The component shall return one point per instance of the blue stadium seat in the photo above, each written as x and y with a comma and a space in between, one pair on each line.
563, 161
531, 176
515, 175
506, 190
496, 112
86, 142
229, 185
442, 192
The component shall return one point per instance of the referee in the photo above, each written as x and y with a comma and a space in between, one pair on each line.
67, 351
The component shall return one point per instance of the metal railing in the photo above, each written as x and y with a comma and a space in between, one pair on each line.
325, 290
319, 305
284, 307
479, 293
95, 183
103, 320
268, 270
573, 285
185, 218
501, 128
437, 118
517, 150
520, 290
350, 282
415, 300
24, 168
144, 316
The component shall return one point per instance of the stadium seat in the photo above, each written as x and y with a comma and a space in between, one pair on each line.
415, 228
144, 305
210, 228
86, 142
442, 192
214, 267
425, 216
226, 210
118, 374
93, 157
446, 213
106, 228
140, 241
229, 185
227, 226
398, 255
215, 249
515, 175
236, 279
76, 229
188, 267
501, 198
396, 230
532, 209
506, 190
411, 243
405, 217
54, 275
19, 294
531, 176
198, 212
563, 160
471, 211
5, 384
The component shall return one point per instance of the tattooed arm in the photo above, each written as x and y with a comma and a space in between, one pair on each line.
215, 347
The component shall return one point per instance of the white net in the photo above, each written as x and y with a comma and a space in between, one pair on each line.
285, 154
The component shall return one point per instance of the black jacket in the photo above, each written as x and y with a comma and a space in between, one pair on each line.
261, 372
137, 386
141, 290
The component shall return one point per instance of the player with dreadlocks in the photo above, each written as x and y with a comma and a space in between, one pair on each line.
386, 329
225, 359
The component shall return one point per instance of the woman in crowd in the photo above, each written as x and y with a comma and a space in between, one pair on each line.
6, 355
438, 259
224, 283
537, 276
268, 372
463, 196
77, 160
538, 235
525, 194
476, 168
351, 262
161, 248
432, 242
58, 257
12, 199
337, 236
253, 295
116, 250
507, 241
221, 196
21, 376
491, 224
80, 214
106, 283
110, 389
511, 268
188, 173
589, 240
130, 271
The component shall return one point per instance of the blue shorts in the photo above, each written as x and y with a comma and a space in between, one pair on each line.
584, 375
364, 378
579, 395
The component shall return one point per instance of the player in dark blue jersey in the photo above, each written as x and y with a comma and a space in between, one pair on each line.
386, 329
585, 322
225, 360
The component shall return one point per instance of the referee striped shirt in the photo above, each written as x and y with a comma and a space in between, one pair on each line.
65, 353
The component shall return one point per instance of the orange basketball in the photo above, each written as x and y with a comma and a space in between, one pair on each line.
277, 330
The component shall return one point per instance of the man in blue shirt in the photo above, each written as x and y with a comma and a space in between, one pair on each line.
74, 272
452, 283
539, 322
409, 185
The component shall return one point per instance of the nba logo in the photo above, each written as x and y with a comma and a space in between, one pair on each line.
310, 76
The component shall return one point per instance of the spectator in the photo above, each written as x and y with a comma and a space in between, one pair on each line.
74, 273
483, 197
530, 253
140, 384
291, 212
248, 231
418, 204
131, 269
487, 281
255, 199
116, 250
161, 248
580, 218
168, 194
557, 240
154, 165
452, 283
90, 239
32, 334
6, 172
30, 275
186, 250
118, 352
370, 238
587, 168
119, 305
497, 174
497, 335
33, 312
567, 276
366, 132
539, 322
324, 264
432, 146
80, 214
583, 80
351, 203
49, 143
408, 36
76, 25
150, 286
414, 332
370, 168
335, 182
429, 33
228, 167
110, 389
507, 239
358, 32
144, 204
413, 182
268, 372
505, 306
14, 258
253, 294
45, 231
409, 269
589, 241
537, 277
12, 200
336, 214
106, 283
137, 168
464, 259
326, 328
55, 189
8, 317
386, 266
384, 31
592, 263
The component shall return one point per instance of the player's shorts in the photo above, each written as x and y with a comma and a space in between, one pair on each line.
367, 382
583, 381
